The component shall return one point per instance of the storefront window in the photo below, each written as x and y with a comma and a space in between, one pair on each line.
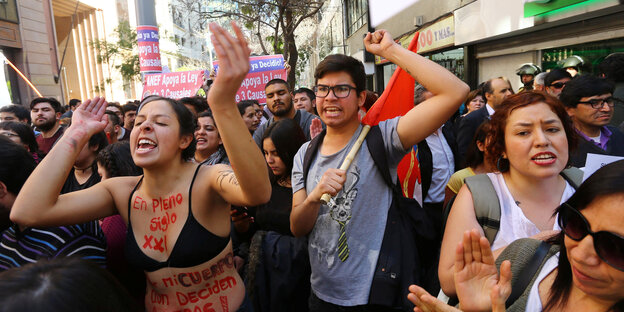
452, 60
8, 11
592, 54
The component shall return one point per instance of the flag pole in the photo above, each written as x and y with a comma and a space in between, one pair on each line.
346, 163
23, 77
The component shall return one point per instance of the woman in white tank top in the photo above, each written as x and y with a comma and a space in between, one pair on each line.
529, 144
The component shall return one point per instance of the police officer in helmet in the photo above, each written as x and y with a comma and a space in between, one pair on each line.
527, 74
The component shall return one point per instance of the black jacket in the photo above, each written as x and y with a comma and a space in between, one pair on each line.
466, 131
615, 147
425, 158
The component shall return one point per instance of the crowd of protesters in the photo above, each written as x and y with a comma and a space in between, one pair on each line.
204, 204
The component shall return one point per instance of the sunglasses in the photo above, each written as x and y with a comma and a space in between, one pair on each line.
558, 85
608, 245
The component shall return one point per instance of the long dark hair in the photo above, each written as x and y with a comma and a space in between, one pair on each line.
287, 137
116, 159
67, 284
474, 156
27, 136
608, 180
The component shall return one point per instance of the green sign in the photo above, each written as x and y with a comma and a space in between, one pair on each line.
537, 7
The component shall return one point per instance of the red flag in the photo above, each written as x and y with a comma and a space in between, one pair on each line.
399, 94
396, 100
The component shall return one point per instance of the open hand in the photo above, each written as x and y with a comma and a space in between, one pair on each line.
233, 55
476, 274
379, 42
425, 302
316, 127
90, 116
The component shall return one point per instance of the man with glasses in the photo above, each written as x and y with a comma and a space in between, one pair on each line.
280, 104
345, 233
555, 80
590, 103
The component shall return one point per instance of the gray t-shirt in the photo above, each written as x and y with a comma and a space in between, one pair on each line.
345, 241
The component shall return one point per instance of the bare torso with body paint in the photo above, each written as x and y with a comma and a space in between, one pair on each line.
158, 226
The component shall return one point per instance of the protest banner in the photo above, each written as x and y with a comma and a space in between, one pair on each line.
173, 85
262, 70
597, 161
149, 49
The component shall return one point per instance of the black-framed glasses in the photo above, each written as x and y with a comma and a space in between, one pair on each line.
608, 245
598, 103
340, 91
558, 85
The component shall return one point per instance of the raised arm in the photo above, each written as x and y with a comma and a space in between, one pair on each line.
449, 91
247, 183
39, 203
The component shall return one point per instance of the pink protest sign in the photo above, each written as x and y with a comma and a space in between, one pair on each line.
149, 51
263, 69
173, 85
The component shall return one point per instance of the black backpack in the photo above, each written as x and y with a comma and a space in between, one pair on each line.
409, 251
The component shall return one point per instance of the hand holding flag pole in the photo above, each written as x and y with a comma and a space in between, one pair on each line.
399, 92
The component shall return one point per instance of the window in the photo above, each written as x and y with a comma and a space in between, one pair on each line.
8, 11
176, 15
356, 11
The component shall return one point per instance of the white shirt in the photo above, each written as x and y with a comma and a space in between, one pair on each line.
443, 166
489, 109
534, 302
513, 223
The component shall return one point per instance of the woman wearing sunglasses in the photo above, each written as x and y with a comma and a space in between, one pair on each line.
582, 271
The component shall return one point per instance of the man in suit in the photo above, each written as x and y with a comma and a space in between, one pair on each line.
496, 90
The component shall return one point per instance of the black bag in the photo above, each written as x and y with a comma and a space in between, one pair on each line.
410, 248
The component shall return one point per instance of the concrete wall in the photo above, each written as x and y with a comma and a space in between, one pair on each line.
505, 65
35, 59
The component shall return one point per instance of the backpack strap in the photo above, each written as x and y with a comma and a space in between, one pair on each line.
527, 273
375, 144
310, 153
486, 205
573, 175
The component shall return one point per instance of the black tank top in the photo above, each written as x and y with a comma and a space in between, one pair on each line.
195, 244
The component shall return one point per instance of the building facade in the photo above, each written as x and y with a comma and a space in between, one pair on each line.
481, 39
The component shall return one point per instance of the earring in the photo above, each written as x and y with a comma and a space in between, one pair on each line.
500, 164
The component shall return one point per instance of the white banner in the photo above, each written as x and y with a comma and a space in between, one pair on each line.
382, 10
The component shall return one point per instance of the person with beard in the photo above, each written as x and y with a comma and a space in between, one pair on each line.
46, 116
279, 102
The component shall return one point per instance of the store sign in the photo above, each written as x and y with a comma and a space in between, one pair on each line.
537, 7
404, 41
149, 49
437, 36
